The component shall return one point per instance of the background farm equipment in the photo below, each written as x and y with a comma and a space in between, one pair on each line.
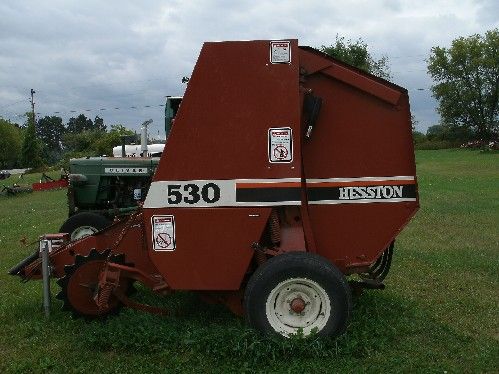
299, 174
15, 189
4, 174
48, 183
104, 188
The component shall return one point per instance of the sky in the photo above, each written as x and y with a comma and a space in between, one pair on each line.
92, 57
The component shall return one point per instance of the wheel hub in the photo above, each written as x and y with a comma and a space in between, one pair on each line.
298, 304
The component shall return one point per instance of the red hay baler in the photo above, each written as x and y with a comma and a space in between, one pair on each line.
285, 172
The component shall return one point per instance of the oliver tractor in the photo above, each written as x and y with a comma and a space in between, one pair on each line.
104, 188
298, 173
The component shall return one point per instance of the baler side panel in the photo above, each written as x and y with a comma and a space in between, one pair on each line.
213, 246
220, 133
233, 97
360, 135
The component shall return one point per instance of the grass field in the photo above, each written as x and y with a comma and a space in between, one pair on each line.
438, 314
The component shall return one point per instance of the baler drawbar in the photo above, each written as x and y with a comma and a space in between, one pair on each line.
285, 172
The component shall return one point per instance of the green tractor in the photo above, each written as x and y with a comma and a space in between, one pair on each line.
101, 189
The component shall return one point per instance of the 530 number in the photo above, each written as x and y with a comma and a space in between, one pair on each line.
192, 193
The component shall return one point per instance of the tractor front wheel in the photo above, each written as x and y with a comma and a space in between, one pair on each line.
298, 292
84, 224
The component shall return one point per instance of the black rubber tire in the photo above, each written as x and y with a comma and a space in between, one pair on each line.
298, 265
94, 220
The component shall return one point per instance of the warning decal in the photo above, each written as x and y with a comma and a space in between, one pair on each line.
280, 52
280, 144
163, 233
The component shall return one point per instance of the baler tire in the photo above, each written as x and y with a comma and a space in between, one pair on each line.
66, 286
93, 222
310, 281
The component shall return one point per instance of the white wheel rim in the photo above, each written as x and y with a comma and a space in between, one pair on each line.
286, 321
83, 231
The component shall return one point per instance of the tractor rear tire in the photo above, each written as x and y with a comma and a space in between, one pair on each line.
83, 224
298, 292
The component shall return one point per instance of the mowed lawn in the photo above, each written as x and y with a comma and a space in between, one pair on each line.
439, 312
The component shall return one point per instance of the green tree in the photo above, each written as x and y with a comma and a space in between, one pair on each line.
356, 53
466, 85
417, 136
10, 144
79, 124
82, 142
454, 134
31, 149
82, 134
92, 143
104, 146
436, 132
99, 124
50, 130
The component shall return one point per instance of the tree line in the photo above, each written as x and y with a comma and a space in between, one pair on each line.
48, 141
